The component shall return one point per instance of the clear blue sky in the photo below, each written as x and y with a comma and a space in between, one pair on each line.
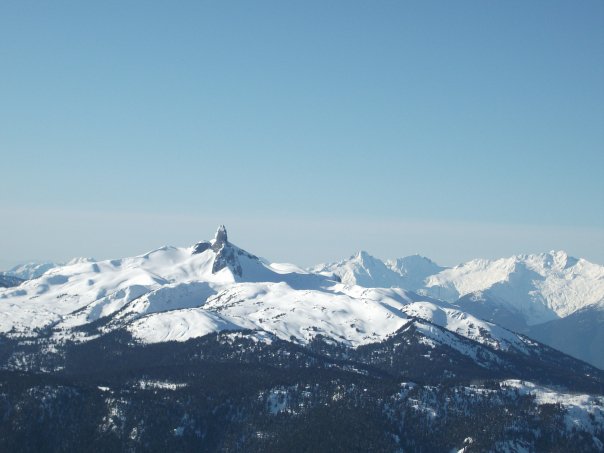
313, 129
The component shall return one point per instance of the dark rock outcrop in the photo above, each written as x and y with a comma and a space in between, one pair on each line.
8, 281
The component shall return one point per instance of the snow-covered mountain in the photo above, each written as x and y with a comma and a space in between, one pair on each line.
182, 293
519, 293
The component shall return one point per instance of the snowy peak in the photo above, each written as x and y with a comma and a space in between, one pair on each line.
414, 270
364, 257
361, 269
414, 263
557, 261
369, 264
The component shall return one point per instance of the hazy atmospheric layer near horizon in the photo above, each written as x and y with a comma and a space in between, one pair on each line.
312, 130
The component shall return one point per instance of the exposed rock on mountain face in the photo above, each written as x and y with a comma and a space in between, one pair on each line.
8, 281
201, 247
227, 255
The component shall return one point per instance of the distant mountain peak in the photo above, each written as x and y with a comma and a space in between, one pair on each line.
408, 263
363, 256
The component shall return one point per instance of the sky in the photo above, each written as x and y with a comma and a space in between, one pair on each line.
311, 129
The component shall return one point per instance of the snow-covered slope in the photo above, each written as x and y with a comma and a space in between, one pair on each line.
351, 315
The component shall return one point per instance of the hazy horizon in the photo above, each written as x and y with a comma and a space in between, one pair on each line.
325, 240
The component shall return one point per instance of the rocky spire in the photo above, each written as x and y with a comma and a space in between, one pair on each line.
227, 255
221, 237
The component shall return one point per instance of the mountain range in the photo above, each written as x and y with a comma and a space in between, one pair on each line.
536, 295
164, 317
